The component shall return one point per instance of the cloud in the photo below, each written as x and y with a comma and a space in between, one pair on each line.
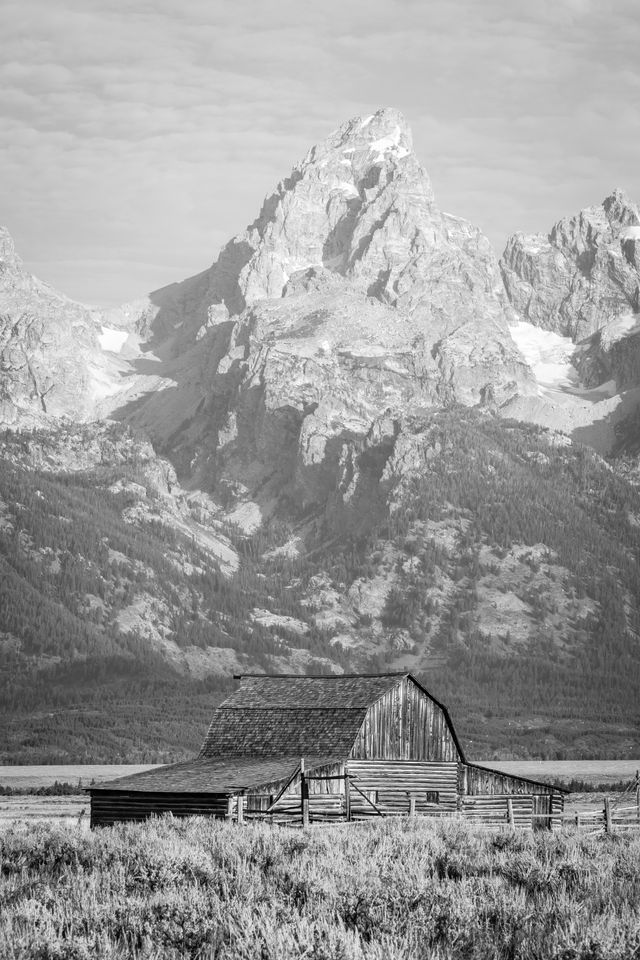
138, 135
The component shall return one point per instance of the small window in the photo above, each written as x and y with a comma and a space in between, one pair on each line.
432, 796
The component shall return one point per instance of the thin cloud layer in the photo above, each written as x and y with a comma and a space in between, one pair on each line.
137, 138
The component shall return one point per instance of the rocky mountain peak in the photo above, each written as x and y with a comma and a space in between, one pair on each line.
8, 255
583, 275
332, 209
621, 211
362, 142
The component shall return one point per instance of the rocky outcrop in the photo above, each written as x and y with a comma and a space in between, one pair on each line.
360, 299
584, 275
350, 298
46, 345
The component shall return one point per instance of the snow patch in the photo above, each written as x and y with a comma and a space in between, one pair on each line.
535, 243
112, 340
103, 382
548, 354
247, 516
366, 121
389, 144
625, 325
345, 187
630, 233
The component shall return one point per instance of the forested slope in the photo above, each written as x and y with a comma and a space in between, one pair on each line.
493, 559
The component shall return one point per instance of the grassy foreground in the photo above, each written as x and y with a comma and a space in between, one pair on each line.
381, 891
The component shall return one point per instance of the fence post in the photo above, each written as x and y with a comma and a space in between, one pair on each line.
638, 795
608, 826
510, 816
304, 795
240, 808
347, 792
412, 806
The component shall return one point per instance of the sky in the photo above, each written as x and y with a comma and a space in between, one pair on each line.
138, 136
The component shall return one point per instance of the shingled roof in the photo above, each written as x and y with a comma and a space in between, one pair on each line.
345, 692
211, 776
272, 716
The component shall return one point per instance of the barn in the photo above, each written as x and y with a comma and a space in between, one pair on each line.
321, 748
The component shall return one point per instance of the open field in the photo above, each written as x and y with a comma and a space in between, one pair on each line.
45, 775
410, 889
594, 771
71, 809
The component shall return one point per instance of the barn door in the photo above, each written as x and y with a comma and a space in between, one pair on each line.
541, 807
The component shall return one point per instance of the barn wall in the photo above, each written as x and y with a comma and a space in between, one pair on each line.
477, 780
323, 790
391, 784
111, 806
493, 809
405, 724
557, 809
326, 795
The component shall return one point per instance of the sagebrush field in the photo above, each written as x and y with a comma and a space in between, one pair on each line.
381, 891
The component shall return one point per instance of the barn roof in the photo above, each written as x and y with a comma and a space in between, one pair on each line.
347, 691
272, 716
226, 776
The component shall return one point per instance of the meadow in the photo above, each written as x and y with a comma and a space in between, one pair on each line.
410, 889
83, 774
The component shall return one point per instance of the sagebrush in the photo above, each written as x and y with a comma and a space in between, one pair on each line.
395, 889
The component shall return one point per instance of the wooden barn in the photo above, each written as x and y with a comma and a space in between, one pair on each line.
311, 749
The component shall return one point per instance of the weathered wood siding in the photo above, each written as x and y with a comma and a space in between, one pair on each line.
109, 807
326, 796
493, 809
476, 780
405, 724
557, 809
392, 784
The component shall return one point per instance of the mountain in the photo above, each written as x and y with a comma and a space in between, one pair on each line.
583, 275
576, 293
304, 459
351, 297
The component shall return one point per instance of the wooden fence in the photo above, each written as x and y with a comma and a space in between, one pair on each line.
485, 810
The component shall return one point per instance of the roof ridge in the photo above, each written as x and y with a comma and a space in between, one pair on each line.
271, 707
319, 676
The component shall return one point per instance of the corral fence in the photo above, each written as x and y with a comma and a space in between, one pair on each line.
486, 810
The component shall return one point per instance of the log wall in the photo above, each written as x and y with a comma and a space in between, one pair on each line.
115, 806
406, 724
392, 785
476, 780
493, 809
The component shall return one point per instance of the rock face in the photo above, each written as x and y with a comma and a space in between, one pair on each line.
357, 219
581, 277
583, 282
359, 299
46, 341
351, 297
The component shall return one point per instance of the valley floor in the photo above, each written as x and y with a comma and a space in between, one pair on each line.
394, 889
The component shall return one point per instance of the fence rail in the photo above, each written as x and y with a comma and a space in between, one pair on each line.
485, 810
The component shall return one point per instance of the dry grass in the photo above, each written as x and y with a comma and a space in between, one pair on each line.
26, 807
381, 891
596, 771
44, 775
